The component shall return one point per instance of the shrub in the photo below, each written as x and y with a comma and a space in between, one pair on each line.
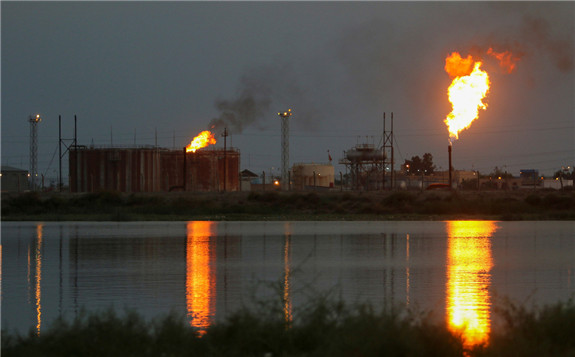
533, 200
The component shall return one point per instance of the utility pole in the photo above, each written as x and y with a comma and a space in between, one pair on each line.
60, 153
34, 120
285, 148
225, 135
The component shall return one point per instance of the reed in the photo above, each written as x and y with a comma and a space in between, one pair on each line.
322, 327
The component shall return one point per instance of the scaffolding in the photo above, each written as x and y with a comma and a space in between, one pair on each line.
369, 167
364, 165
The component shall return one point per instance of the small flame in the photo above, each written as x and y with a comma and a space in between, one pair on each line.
465, 93
203, 139
506, 59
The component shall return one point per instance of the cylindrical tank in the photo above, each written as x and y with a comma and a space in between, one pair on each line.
364, 152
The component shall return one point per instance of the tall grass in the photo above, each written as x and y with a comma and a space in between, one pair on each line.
320, 328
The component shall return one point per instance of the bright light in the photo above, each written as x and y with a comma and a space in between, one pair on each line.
203, 139
469, 263
469, 86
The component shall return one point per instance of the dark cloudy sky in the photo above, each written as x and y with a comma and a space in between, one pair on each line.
131, 69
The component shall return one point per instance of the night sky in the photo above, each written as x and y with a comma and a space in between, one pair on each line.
137, 72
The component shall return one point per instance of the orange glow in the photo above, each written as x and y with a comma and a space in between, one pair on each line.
287, 272
407, 275
469, 262
38, 290
200, 274
466, 92
506, 59
456, 66
203, 139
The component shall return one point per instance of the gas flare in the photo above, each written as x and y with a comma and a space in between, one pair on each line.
506, 59
203, 139
466, 92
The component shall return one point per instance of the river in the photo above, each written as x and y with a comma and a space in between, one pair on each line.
207, 270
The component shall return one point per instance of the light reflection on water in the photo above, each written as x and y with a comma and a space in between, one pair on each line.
200, 273
469, 264
207, 270
287, 271
38, 277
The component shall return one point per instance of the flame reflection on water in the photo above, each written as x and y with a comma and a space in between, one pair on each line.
469, 263
287, 304
200, 274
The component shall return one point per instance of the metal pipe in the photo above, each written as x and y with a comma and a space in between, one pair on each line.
60, 153
449, 152
76, 154
225, 135
184, 173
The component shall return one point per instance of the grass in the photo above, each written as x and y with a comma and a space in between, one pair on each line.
273, 205
322, 327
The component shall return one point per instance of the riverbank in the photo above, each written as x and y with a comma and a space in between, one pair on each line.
293, 206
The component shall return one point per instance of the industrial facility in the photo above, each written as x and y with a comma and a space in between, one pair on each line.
152, 169
203, 168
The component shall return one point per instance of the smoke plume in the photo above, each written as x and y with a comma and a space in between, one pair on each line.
258, 89
537, 31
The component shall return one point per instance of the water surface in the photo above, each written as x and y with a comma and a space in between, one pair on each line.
207, 270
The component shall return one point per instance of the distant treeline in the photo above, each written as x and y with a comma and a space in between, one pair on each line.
375, 205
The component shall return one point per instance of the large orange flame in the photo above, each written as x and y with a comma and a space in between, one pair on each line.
465, 93
203, 139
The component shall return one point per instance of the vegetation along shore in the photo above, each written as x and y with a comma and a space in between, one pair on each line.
275, 205
321, 328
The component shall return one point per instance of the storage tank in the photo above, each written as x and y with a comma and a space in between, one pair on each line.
312, 176
364, 152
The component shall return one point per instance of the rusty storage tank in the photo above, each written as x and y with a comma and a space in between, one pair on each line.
114, 169
153, 170
204, 170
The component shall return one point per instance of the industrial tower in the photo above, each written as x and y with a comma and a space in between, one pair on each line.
285, 149
387, 154
34, 120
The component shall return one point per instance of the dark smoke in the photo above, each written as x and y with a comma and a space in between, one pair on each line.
533, 37
259, 89
238, 113
251, 104
537, 32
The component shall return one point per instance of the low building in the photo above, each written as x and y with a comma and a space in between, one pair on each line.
247, 179
13, 179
